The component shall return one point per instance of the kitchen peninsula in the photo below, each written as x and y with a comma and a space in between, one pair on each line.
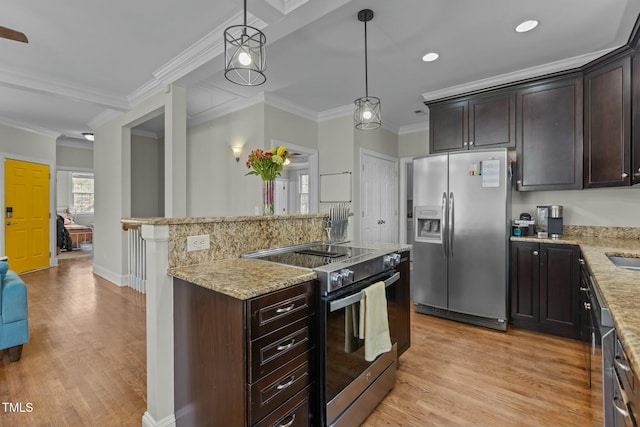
249, 303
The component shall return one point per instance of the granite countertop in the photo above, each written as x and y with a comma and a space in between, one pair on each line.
620, 288
246, 278
213, 219
243, 278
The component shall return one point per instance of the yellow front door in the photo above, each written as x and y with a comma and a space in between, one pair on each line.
26, 215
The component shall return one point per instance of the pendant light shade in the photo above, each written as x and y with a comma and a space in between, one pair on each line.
245, 53
367, 114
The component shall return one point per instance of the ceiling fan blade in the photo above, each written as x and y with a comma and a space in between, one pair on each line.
10, 34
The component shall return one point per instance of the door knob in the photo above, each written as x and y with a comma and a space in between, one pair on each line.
535, 253
624, 175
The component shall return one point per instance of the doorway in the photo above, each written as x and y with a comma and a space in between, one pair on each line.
26, 211
74, 213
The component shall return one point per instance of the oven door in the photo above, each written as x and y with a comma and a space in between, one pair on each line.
352, 386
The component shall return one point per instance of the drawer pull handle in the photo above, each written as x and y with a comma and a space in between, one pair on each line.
293, 418
286, 346
286, 309
292, 378
621, 365
623, 412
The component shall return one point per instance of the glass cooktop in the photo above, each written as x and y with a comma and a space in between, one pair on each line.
316, 256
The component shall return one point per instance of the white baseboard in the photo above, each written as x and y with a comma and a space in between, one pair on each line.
149, 421
112, 276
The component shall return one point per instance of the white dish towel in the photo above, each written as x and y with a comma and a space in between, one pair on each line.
374, 321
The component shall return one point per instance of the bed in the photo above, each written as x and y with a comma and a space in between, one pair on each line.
80, 234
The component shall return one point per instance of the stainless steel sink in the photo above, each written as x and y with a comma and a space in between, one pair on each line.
628, 263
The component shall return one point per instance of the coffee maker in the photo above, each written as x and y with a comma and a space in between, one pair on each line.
543, 222
555, 221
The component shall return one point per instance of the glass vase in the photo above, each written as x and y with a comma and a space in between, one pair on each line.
268, 188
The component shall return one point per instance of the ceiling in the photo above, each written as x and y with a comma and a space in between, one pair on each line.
89, 60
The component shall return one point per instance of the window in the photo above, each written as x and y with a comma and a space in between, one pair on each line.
303, 192
81, 193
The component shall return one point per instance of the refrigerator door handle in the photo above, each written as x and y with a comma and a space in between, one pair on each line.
444, 229
451, 223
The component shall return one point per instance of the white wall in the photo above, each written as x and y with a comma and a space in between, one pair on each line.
147, 179
72, 158
289, 128
216, 183
619, 207
27, 146
413, 144
112, 171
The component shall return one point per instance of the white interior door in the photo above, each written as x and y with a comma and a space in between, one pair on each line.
379, 199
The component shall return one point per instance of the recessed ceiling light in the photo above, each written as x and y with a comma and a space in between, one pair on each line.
88, 136
527, 26
429, 57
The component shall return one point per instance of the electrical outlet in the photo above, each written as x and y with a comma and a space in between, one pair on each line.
198, 243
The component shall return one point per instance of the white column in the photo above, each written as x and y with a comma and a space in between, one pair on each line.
175, 152
160, 403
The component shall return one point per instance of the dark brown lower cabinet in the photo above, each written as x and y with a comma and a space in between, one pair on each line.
400, 318
544, 288
244, 363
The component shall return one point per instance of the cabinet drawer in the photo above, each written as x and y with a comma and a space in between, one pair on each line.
294, 413
273, 311
271, 351
623, 367
276, 388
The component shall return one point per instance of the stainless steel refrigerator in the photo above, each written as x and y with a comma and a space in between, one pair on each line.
462, 215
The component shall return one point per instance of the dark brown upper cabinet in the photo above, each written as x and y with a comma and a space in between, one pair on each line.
607, 124
549, 134
479, 121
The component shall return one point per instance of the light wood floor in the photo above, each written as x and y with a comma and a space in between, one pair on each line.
85, 363
85, 366
460, 375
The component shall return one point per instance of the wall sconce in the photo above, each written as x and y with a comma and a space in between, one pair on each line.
237, 151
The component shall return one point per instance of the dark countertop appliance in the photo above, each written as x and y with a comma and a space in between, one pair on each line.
349, 386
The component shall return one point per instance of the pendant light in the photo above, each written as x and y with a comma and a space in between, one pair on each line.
244, 48
367, 113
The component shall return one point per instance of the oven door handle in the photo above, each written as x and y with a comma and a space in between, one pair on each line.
352, 299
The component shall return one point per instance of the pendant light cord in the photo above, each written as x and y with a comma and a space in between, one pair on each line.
366, 72
245, 13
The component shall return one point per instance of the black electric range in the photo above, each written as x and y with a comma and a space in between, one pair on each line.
337, 265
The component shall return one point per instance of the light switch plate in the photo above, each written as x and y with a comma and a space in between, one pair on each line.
198, 243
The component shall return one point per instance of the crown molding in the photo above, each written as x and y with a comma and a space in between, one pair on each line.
290, 107
417, 127
29, 128
335, 113
144, 133
103, 118
552, 67
44, 84
286, 6
66, 141
223, 109
195, 56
